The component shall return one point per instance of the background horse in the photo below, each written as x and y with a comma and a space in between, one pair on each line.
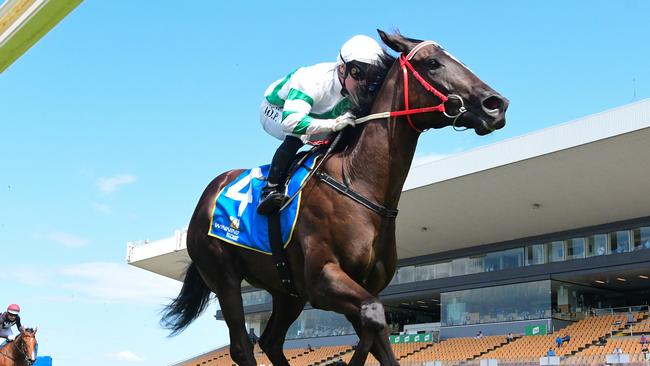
21, 351
342, 254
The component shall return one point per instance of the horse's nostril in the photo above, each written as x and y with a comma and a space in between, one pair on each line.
493, 103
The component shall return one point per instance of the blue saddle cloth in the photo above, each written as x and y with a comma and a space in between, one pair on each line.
235, 219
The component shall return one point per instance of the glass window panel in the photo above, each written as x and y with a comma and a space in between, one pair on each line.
319, 323
575, 248
459, 266
535, 254
641, 238
556, 251
475, 264
406, 274
619, 242
519, 301
255, 298
442, 270
424, 272
512, 258
492, 262
596, 245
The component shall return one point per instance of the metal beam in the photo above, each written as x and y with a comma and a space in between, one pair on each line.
24, 22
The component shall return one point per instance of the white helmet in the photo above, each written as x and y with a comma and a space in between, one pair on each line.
360, 48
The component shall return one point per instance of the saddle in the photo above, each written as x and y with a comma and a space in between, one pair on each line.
236, 221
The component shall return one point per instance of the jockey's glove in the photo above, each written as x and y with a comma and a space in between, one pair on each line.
11, 337
343, 121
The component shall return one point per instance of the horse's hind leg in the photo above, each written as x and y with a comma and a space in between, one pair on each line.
225, 279
285, 311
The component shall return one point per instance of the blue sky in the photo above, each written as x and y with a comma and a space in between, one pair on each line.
112, 125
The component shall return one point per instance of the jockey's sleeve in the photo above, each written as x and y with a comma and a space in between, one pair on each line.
18, 325
295, 115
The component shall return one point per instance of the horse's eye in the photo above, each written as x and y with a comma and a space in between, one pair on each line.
434, 64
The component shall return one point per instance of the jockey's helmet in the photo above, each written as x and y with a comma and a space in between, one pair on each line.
360, 48
13, 309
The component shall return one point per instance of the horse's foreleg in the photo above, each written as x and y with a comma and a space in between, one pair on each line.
380, 348
285, 311
333, 289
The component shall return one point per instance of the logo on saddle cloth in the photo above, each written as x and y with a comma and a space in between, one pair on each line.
235, 219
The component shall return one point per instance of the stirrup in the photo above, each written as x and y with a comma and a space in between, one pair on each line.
271, 203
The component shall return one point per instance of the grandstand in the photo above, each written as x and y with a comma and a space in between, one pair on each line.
581, 349
541, 235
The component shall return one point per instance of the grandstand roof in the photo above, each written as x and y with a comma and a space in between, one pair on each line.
24, 22
582, 173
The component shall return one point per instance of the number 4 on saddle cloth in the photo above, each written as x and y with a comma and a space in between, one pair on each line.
235, 219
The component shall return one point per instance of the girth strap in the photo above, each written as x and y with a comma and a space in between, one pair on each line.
279, 257
344, 189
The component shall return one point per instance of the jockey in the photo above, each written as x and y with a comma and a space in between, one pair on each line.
7, 320
311, 103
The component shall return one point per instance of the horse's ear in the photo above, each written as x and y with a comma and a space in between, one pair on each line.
35, 330
395, 41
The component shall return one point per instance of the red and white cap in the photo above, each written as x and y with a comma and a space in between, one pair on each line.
13, 309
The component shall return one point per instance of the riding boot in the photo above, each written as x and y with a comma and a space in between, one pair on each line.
273, 196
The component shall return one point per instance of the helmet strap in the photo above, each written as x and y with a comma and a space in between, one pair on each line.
344, 91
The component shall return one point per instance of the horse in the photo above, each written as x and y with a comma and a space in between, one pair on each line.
21, 351
342, 254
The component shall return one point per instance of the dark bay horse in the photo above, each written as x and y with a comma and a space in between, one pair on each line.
342, 254
21, 351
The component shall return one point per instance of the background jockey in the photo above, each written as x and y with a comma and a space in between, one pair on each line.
311, 101
7, 320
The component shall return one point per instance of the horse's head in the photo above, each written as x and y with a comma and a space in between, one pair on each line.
26, 344
436, 78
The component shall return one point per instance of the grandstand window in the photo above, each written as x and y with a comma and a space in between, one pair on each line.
442, 269
641, 238
493, 262
459, 266
519, 301
556, 251
596, 245
319, 323
512, 258
535, 254
424, 273
619, 242
575, 248
476, 264
406, 274
255, 298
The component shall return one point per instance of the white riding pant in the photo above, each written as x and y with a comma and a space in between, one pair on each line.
271, 120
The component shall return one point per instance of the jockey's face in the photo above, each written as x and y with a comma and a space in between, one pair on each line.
355, 82
353, 78
11, 316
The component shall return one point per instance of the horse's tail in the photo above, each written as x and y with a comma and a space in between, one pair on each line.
188, 305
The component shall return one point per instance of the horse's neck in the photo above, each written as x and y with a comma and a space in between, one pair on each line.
382, 155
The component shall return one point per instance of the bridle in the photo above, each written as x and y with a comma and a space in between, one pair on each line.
16, 343
406, 66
